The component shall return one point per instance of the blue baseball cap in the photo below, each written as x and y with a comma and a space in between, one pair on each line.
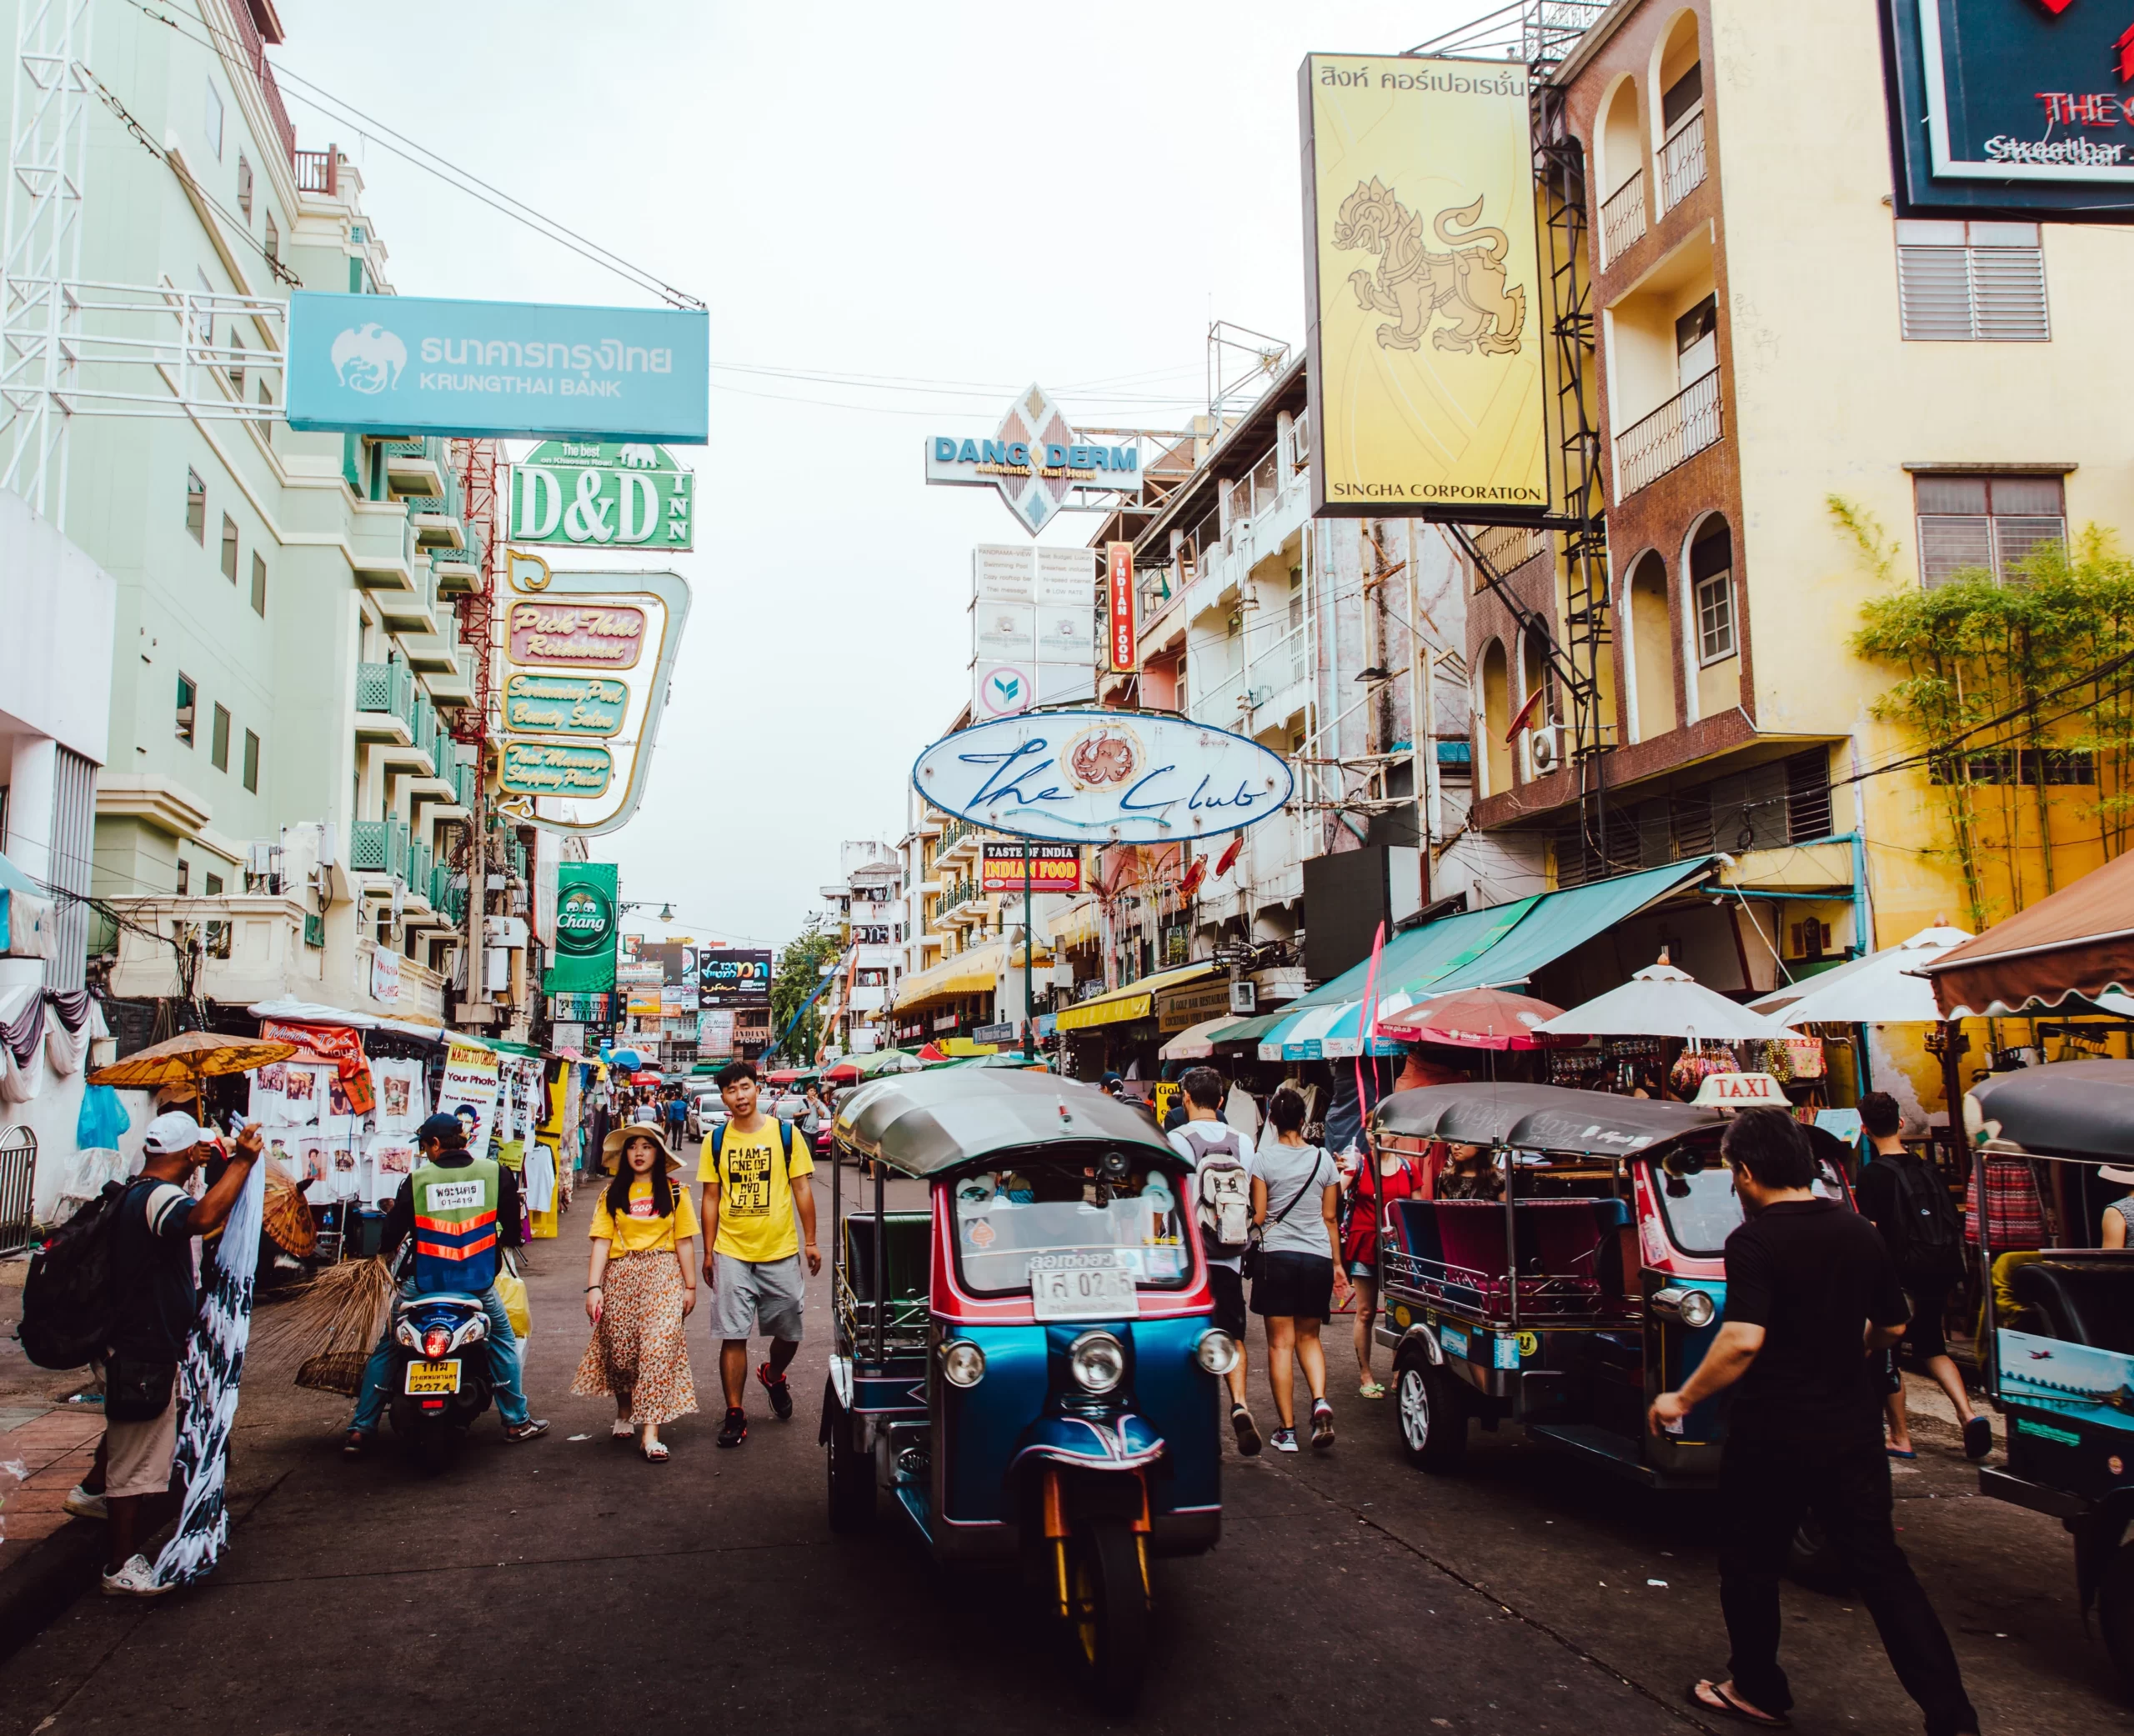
449, 1128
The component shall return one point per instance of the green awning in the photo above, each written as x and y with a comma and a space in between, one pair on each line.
1249, 1030
1559, 921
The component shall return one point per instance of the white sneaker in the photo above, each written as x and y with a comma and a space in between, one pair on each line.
83, 1505
135, 1579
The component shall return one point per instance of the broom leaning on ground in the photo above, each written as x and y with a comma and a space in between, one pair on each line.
326, 1330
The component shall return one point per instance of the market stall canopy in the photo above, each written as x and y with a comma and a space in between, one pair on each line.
1538, 1117
1137, 1000
189, 1059
2079, 941
2069, 1108
1499, 946
932, 1122
886, 1060
1883, 988
1472, 1018
1195, 1042
1661, 1001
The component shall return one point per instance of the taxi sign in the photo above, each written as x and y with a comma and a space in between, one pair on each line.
1742, 1091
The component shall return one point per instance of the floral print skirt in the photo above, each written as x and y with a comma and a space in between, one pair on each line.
640, 1350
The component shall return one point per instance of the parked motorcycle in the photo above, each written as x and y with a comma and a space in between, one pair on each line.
440, 1380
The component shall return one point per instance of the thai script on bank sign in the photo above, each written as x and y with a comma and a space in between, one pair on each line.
1014, 456
606, 357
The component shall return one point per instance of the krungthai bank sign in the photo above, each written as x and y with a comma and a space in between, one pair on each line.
1035, 459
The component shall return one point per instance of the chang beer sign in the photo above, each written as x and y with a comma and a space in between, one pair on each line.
603, 494
584, 962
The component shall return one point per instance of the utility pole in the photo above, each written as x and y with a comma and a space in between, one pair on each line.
1030, 946
474, 1007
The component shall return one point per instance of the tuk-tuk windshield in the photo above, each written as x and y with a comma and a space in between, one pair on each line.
1006, 1216
1701, 1208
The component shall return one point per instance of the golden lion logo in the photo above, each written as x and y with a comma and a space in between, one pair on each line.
1466, 285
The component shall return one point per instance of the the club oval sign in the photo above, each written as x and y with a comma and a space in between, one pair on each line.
1107, 777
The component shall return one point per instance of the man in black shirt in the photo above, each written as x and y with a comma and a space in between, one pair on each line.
1810, 1293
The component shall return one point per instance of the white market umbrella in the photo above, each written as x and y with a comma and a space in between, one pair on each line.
1879, 989
1660, 1001
1192, 1044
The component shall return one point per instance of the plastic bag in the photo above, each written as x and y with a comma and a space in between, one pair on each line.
512, 1288
103, 1118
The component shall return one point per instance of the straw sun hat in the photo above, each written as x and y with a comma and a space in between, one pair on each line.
611, 1148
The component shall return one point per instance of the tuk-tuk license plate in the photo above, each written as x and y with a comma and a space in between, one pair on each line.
424, 1379
1066, 1287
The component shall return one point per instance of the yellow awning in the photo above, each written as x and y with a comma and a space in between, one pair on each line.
1136, 1001
975, 972
1076, 926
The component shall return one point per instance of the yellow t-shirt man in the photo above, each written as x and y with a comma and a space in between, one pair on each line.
756, 1219
639, 1231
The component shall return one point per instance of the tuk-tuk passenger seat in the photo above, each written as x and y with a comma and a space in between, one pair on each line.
1571, 1246
909, 1236
2082, 1296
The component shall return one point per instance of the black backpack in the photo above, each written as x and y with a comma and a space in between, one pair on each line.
70, 1293
1930, 1229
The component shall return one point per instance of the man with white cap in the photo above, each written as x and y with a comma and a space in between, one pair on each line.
152, 1270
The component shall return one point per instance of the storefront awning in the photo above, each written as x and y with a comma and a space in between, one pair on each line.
1136, 1001
1499, 946
975, 972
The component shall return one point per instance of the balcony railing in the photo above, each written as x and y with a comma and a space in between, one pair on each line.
255, 50
1681, 162
1670, 436
388, 688
379, 847
316, 171
1622, 219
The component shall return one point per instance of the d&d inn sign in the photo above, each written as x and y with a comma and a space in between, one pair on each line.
602, 494
1111, 776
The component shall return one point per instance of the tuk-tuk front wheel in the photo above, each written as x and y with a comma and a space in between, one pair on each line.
1432, 1413
851, 1471
1109, 1610
2116, 1613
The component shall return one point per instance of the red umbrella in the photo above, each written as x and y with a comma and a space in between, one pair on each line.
931, 1053
846, 1072
1471, 1018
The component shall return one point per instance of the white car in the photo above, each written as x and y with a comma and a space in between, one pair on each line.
706, 1112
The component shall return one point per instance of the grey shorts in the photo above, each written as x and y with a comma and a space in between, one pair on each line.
748, 1297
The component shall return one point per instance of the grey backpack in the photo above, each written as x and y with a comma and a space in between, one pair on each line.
1222, 1190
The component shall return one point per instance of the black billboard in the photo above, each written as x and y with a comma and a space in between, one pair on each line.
2016, 107
738, 978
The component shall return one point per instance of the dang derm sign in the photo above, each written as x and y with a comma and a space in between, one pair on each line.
1104, 777
404, 364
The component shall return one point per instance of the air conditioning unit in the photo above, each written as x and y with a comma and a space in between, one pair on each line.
1545, 750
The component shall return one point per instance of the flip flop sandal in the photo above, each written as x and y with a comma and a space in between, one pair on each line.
1373, 1390
623, 1431
1898, 1452
1727, 1706
655, 1453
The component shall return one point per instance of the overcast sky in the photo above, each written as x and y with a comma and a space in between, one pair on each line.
952, 199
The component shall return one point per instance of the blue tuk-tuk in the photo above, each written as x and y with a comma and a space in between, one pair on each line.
1027, 1367
2062, 1357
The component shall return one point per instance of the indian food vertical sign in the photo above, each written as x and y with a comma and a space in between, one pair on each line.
1423, 294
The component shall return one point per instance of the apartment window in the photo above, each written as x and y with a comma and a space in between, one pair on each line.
273, 240
196, 508
218, 740
214, 120
1681, 97
244, 187
1985, 523
251, 761
266, 390
188, 703
229, 548
1965, 283
184, 877
237, 364
258, 584
1696, 341
213, 884
1711, 584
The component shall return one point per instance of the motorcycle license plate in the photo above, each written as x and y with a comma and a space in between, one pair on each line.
1081, 1287
426, 1379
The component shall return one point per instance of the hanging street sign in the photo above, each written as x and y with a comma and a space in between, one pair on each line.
1053, 868
1118, 607
603, 494
536, 702
579, 635
1035, 459
405, 364
1112, 777
584, 962
555, 769
733, 976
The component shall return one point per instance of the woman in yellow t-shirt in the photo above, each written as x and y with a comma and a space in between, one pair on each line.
640, 1289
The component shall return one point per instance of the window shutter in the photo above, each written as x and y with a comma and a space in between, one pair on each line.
2008, 295
2014, 538
1934, 293
1948, 545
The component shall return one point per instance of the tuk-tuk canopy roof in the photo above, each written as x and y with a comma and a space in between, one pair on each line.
1539, 1117
2070, 1107
922, 1124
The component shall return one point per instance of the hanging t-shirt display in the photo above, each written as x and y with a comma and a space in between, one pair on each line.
404, 1100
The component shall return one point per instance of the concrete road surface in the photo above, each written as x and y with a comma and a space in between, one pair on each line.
567, 1586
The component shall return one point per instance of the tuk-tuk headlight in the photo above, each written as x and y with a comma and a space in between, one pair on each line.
1097, 1361
963, 1364
1694, 1309
1216, 1352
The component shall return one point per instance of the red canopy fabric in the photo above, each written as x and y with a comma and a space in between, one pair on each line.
844, 1074
931, 1053
2080, 941
1471, 1018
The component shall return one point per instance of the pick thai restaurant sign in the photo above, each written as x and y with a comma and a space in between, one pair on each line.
1423, 290
1112, 777
404, 364
603, 636
602, 494
2023, 106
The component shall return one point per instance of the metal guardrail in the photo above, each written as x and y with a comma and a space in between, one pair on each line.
1672, 435
1682, 162
1622, 219
17, 1185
